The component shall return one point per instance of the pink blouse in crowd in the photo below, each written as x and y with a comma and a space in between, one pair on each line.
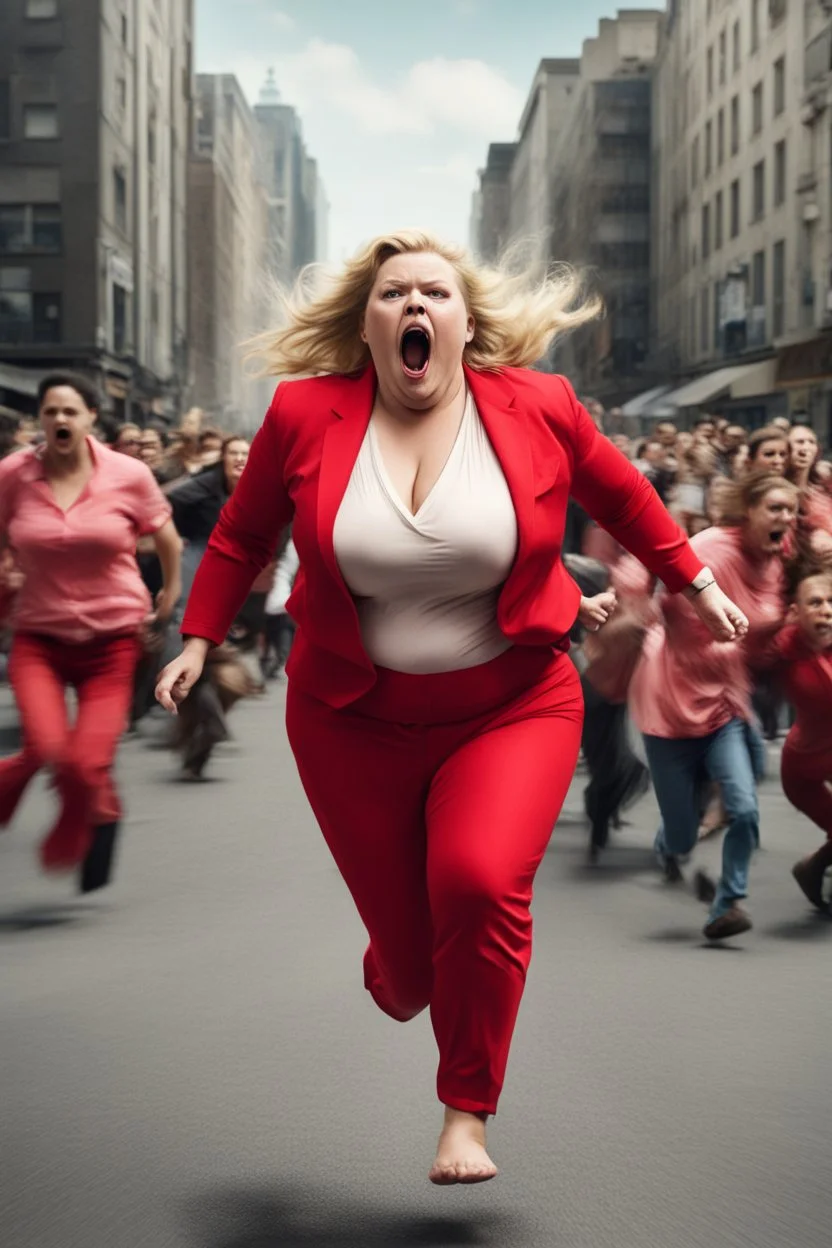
686, 684
81, 579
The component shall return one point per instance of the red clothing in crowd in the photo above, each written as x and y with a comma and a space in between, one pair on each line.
806, 764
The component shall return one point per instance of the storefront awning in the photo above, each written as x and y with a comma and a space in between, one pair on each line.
20, 380
644, 404
803, 363
739, 381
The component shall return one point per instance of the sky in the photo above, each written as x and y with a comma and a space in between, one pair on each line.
398, 102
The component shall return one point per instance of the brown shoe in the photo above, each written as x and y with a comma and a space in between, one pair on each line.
733, 923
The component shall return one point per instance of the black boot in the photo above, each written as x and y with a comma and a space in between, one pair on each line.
97, 867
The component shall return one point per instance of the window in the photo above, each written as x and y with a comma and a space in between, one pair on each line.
755, 25
709, 146
121, 93
776, 11
779, 291
5, 111
757, 109
759, 191
151, 140
124, 29
709, 72
720, 136
718, 214
704, 320
735, 208
27, 317
737, 59
119, 318
780, 173
706, 231
40, 121
30, 227
735, 125
120, 199
723, 57
758, 279
39, 10
694, 162
779, 86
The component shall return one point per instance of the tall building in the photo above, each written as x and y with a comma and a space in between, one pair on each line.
292, 184
741, 235
95, 117
546, 115
600, 200
490, 229
228, 253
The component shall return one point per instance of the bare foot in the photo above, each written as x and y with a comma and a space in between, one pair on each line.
461, 1155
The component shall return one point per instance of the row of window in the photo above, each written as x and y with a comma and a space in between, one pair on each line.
714, 138
27, 316
28, 228
713, 213
713, 329
716, 57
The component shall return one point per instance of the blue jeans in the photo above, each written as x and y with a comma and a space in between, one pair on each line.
732, 757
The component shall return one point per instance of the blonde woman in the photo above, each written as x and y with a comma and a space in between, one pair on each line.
433, 712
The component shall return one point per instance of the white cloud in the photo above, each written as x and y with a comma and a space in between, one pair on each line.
281, 19
466, 95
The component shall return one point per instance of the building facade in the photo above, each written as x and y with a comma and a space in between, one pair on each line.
95, 123
741, 245
601, 202
491, 206
228, 251
295, 193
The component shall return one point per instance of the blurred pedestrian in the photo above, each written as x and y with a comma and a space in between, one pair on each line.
71, 514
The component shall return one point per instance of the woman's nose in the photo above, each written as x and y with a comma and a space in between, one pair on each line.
415, 307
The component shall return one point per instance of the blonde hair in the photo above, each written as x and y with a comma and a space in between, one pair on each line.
742, 495
518, 312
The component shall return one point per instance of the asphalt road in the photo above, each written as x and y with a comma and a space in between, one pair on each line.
191, 1062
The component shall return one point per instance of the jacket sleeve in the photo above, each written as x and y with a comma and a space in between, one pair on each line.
624, 503
246, 534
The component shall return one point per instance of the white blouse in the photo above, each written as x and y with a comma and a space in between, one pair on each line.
426, 585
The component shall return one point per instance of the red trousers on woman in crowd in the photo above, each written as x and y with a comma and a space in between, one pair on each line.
79, 755
806, 779
437, 796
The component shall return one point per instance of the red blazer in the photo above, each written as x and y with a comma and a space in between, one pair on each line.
298, 470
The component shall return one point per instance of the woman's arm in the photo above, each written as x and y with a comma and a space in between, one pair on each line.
168, 546
624, 503
245, 537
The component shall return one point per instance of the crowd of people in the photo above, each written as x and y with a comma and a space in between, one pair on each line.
414, 503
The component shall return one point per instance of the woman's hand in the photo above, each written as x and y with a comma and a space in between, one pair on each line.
179, 677
723, 618
595, 611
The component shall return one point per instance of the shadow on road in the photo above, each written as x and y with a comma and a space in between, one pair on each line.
36, 918
318, 1219
814, 926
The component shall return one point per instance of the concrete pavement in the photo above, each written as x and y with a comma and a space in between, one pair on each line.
190, 1061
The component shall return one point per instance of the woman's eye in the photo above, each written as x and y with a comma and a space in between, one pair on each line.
388, 294
438, 294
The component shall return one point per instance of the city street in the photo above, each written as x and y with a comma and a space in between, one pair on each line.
190, 1060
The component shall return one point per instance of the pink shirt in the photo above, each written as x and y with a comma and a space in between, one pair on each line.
81, 576
686, 684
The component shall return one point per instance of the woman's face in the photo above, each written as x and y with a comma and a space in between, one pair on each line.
768, 521
150, 450
66, 420
416, 325
803, 447
812, 610
773, 455
234, 460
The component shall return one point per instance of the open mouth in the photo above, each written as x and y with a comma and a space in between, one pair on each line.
63, 435
415, 351
776, 536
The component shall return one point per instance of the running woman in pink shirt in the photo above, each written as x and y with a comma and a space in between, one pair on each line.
71, 514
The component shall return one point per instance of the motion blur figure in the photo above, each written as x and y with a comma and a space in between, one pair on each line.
71, 514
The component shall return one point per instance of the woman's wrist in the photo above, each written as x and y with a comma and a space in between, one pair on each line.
197, 645
702, 580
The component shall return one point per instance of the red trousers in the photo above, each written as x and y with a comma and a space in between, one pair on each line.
437, 796
80, 756
806, 778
